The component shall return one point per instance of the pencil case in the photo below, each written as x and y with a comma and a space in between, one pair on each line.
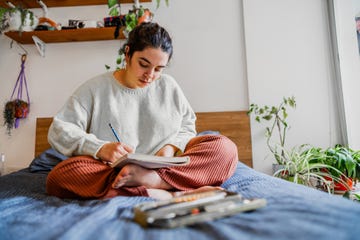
193, 208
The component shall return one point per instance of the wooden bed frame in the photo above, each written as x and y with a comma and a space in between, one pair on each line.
235, 125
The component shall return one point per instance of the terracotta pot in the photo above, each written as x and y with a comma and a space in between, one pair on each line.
343, 187
146, 17
21, 109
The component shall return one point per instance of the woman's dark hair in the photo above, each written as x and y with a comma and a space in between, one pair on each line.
149, 35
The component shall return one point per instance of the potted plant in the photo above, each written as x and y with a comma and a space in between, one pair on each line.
277, 116
304, 165
17, 19
130, 20
332, 169
13, 111
16, 108
134, 17
347, 162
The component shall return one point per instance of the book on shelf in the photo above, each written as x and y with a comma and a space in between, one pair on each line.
150, 161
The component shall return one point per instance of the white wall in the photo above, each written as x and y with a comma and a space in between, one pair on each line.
349, 57
287, 48
208, 63
287, 53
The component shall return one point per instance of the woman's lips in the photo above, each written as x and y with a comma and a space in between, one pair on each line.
145, 82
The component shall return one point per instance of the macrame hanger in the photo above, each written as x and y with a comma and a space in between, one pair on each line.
20, 82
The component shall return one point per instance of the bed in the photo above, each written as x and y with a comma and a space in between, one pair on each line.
292, 211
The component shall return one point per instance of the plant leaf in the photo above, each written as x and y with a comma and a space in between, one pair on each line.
285, 115
292, 102
274, 110
112, 3
114, 12
141, 12
267, 117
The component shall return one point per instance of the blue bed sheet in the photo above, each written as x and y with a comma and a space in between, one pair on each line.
292, 212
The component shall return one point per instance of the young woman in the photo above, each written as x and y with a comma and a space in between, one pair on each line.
150, 114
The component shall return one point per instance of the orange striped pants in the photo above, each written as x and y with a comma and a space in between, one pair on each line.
213, 159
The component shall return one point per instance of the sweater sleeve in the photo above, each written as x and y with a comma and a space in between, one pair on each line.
67, 133
187, 129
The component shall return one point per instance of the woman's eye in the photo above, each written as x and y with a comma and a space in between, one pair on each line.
143, 65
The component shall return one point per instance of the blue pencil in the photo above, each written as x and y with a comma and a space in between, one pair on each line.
114, 132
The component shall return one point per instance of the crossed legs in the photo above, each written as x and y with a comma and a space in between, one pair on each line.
213, 160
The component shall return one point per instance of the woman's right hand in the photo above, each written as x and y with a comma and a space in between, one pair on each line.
112, 151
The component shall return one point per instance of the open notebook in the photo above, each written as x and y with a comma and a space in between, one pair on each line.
151, 161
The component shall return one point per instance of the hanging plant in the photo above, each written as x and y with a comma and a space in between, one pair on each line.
16, 109
13, 111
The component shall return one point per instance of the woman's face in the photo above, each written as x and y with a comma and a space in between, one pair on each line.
144, 67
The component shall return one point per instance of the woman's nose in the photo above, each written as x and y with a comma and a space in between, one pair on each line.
149, 73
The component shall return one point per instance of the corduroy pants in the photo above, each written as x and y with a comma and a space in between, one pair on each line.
213, 159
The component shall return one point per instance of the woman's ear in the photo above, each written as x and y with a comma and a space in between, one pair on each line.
127, 50
127, 57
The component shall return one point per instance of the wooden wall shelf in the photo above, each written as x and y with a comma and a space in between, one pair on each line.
61, 3
68, 35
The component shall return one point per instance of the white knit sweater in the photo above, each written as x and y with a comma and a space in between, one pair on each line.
144, 118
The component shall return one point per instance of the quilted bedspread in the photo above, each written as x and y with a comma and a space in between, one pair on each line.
292, 212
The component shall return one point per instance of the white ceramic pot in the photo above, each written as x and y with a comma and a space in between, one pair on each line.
15, 22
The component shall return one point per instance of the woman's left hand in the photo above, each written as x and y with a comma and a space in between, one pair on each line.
167, 151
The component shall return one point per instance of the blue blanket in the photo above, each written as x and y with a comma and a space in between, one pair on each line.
292, 212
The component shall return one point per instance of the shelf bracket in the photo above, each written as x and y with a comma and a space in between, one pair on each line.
24, 50
40, 45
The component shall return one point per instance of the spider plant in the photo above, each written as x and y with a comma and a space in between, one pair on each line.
303, 166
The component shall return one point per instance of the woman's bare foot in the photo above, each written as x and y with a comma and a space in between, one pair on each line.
132, 175
159, 194
197, 190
